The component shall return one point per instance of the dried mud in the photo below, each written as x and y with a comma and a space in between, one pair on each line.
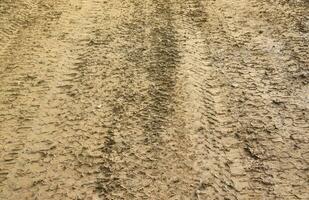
154, 99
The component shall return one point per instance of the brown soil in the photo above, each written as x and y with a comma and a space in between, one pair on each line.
154, 99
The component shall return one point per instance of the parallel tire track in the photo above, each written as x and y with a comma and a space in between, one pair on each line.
153, 99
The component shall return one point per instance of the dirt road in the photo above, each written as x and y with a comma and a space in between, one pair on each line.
154, 99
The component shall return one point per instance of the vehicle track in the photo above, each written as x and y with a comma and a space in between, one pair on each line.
153, 99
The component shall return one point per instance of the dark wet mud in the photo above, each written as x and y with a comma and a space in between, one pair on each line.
155, 99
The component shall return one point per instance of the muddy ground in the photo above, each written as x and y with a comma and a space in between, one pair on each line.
154, 99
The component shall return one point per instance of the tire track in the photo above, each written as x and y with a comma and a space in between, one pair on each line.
17, 112
35, 165
210, 124
254, 74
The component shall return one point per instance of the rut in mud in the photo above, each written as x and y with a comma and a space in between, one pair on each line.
155, 99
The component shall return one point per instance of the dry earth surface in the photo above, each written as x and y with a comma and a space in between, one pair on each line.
154, 99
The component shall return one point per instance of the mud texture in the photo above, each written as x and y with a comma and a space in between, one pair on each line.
154, 99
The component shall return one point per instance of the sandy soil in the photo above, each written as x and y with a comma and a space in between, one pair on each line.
154, 99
